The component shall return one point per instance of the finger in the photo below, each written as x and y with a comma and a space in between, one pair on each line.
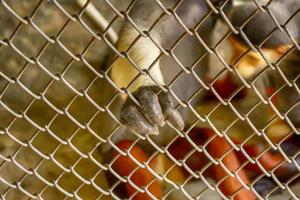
134, 120
150, 105
174, 117
165, 101
171, 114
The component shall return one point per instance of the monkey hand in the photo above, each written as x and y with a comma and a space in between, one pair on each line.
152, 111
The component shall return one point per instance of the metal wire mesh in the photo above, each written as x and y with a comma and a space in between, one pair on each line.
60, 108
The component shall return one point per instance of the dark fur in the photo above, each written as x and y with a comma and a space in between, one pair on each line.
261, 24
167, 31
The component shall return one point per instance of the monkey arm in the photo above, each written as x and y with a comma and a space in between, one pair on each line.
140, 39
142, 54
140, 72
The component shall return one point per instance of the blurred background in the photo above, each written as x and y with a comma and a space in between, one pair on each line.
58, 108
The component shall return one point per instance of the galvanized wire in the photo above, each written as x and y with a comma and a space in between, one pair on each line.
58, 105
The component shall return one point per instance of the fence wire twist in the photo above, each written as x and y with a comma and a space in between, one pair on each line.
58, 105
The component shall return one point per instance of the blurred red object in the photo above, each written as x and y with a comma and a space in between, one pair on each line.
141, 177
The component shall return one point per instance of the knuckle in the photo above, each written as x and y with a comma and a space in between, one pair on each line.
134, 120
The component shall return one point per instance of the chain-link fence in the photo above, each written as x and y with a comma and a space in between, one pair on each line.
64, 76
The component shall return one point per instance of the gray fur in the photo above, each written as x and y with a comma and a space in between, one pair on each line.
261, 25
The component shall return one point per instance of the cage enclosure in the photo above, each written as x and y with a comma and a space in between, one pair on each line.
149, 99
